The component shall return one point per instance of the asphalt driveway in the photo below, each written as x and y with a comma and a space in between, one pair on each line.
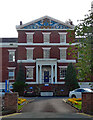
49, 107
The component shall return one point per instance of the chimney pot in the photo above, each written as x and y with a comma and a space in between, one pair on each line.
20, 22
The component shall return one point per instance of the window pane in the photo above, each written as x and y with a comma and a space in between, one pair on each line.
30, 38
29, 53
46, 53
11, 56
62, 38
62, 53
10, 74
62, 72
29, 73
46, 37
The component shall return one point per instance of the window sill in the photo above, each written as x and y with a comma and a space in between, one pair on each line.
29, 78
62, 78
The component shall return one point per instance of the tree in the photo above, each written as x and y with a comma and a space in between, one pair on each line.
84, 33
19, 84
71, 78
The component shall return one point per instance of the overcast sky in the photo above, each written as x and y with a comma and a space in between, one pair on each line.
14, 11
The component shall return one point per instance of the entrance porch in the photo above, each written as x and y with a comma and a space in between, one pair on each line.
46, 71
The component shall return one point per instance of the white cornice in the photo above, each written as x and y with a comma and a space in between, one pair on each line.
66, 61
47, 44
44, 29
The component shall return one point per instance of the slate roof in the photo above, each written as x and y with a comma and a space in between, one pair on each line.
8, 40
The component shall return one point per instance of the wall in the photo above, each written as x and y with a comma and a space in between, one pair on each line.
87, 103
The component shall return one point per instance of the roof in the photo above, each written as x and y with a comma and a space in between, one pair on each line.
8, 40
45, 22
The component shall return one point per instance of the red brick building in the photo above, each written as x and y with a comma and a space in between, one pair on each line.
42, 47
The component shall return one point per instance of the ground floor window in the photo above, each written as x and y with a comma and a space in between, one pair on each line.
63, 70
11, 74
29, 72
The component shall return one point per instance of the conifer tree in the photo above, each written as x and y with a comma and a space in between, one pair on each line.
71, 78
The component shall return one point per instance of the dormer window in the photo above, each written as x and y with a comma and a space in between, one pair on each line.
46, 37
30, 37
62, 37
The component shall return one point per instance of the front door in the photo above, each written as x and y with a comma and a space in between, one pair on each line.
46, 76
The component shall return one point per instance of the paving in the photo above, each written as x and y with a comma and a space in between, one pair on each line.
49, 107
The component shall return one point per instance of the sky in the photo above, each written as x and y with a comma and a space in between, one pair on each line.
14, 11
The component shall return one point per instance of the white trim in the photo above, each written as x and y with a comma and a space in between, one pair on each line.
62, 33
62, 66
46, 32
47, 44
60, 82
12, 50
43, 29
66, 61
29, 66
29, 48
62, 48
26, 61
29, 78
46, 48
32, 83
11, 68
29, 33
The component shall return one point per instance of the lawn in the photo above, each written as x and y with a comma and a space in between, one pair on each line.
20, 107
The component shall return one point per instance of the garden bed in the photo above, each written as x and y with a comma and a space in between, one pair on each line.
75, 102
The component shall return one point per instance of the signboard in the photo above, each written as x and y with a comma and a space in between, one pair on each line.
6, 85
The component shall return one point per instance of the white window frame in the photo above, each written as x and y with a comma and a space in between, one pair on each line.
64, 34
31, 67
62, 67
11, 50
64, 48
11, 68
46, 49
27, 36
28, 48
46, 33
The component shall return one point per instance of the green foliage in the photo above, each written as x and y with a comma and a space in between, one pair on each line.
84, 33
71, 79
19, 84
21, 74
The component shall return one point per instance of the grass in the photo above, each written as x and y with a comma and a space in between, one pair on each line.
20, 107
78, 106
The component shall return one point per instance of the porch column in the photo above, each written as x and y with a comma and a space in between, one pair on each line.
36, 73
40, 74
52, 74
55, 73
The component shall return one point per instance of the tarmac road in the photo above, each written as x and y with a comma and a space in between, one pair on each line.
49, 107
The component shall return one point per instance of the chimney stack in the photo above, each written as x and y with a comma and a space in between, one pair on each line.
20, 22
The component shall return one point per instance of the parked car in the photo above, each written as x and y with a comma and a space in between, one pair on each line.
2, 92
77, 93
29, 93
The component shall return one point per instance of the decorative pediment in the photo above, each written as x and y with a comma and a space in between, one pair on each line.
45, 23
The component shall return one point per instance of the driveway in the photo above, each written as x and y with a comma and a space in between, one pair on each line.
49, 107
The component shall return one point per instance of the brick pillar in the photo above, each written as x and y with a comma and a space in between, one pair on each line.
87, 103
11, 101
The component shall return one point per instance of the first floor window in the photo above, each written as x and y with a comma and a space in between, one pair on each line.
63, 72
29, 73
11, 55
46, 52
11, 74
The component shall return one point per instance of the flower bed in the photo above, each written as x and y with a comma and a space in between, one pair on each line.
76, 102
21, 101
